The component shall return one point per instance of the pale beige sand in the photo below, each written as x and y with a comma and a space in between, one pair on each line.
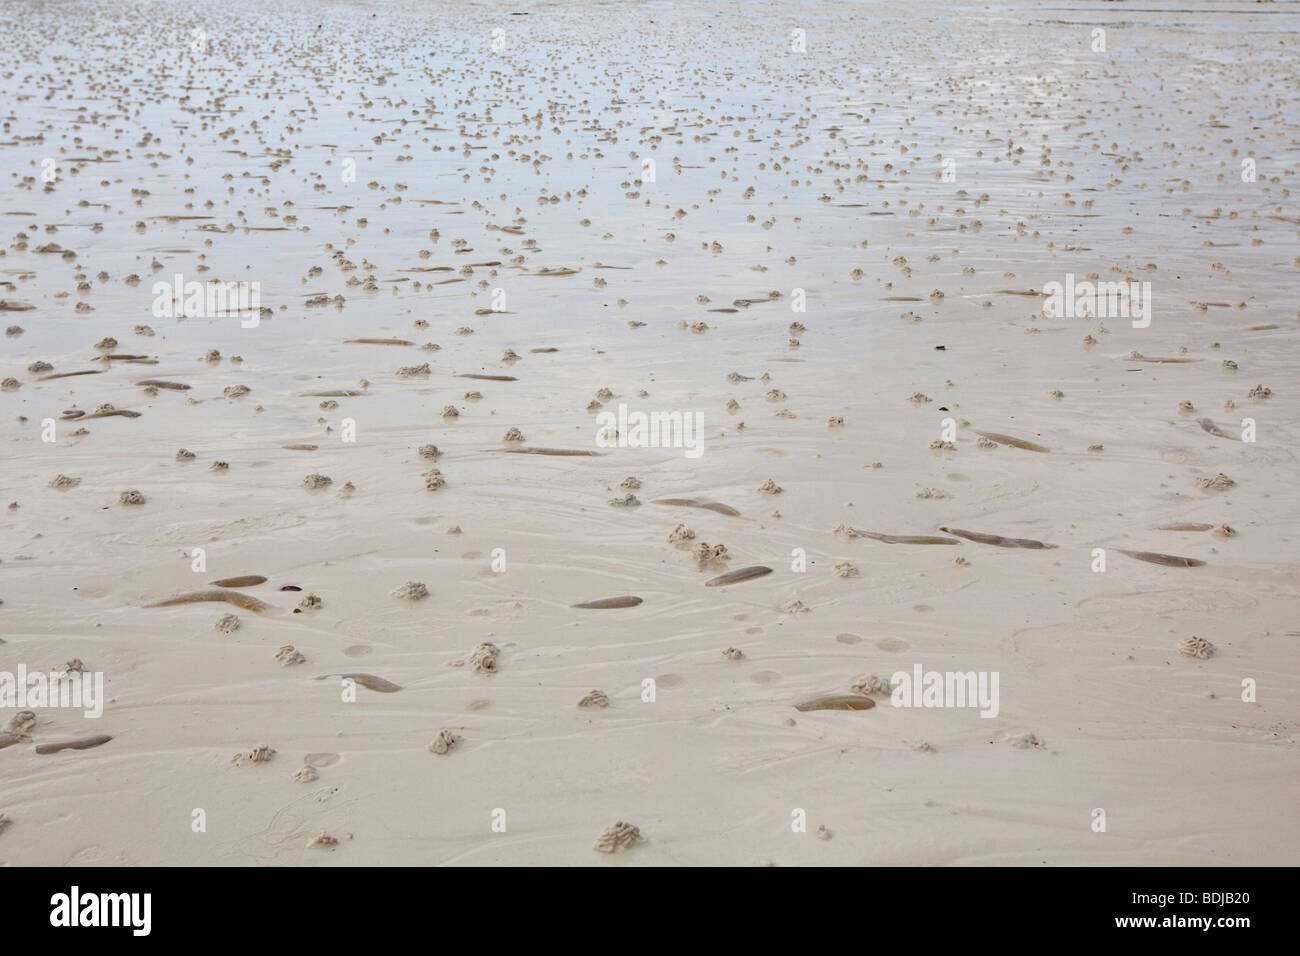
655, 295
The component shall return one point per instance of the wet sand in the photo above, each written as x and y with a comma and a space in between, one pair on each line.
455, 243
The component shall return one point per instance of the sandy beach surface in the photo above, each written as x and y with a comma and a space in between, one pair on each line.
827, 233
